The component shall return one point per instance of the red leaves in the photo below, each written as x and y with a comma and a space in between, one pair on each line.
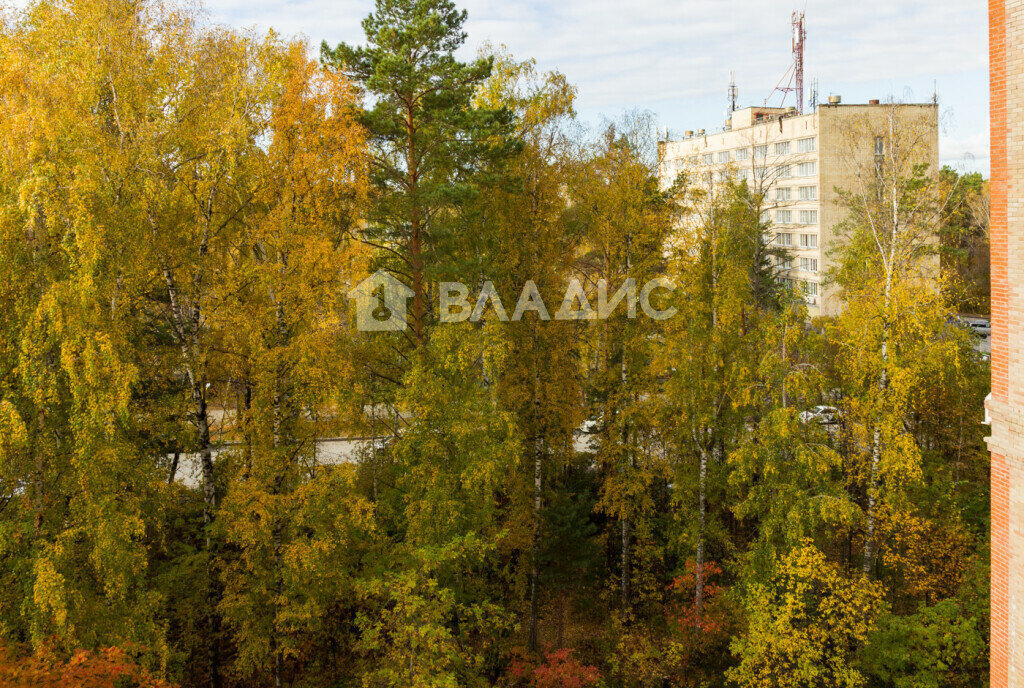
559, 670
711, 619
111, 667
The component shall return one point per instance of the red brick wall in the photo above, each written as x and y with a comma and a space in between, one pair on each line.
1006, 28
998, 136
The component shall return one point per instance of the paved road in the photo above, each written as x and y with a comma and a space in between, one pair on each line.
330, 452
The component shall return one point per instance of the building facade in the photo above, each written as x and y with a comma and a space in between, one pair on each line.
797, 164
1005, 407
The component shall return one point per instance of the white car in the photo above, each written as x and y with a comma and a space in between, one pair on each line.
823, 415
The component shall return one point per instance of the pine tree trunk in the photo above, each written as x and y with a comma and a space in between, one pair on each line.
416, 229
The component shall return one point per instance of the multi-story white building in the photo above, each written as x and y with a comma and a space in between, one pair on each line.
797, 164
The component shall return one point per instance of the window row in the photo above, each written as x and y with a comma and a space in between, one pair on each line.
806, 217
804, 193
806, 264
806, 240
804, 169
808, 288
808, 145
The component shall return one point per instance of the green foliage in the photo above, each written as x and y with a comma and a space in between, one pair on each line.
619, 501
433, 152
941, 645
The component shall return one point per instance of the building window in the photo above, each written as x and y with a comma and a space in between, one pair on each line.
784, 171
807, 169
809, 264
807, 145
723, 157
765, 218
743, 174
785, 263
784, 239
808, 241
810, 288
808, 217
784, 217
742, 153
708, 159
782, 148
808, 193
761, 151
782, 193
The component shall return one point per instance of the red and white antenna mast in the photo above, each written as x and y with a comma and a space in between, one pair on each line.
799, 36
796, 69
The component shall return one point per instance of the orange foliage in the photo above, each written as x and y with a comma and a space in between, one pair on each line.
109, 668
931, 556
559, 670
711, 620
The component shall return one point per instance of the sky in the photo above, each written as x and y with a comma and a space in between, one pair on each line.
674, 58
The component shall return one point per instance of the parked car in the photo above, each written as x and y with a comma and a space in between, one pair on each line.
823, 415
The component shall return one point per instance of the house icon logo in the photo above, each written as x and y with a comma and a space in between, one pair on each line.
380, 303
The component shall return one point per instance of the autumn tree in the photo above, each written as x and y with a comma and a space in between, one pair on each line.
537, 248
805, 625
895, 308
290, 352
625, 220
708, 360
78, 398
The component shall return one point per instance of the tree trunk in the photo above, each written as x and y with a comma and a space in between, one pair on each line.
202, 422
281, 407
535, 568
538, 450
174, 467
876, 439
625, 566
698, 573
416, 229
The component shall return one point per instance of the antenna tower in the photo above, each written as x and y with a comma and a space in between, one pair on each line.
799, 36
795, 73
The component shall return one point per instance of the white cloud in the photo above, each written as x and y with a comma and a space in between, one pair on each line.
968, 153
646, 50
